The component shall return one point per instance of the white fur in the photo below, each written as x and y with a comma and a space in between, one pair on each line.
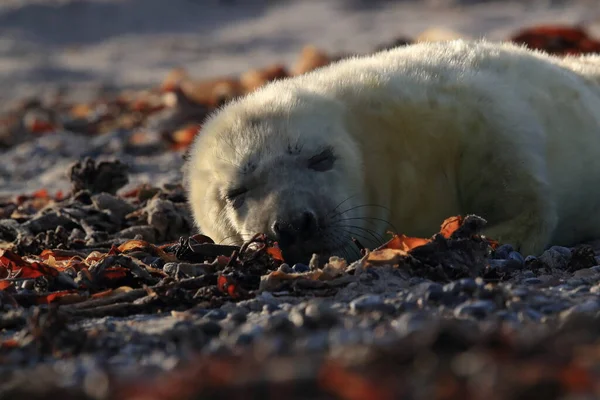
425, 131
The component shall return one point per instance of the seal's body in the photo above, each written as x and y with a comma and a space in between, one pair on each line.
402, 140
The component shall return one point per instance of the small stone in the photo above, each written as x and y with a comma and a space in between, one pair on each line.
503, 251
530, 259
519, 292
575, 282
434, 292
279, 323
300, 268
516, 256
556, 257
465, 285
247, 334
320, 315
269, 308
238, 316
296, 316
527, 274
28, 284
344, 337
508, 316
370, 302
504, 267
529, 314
587, 307
216, 315
318, 341
532, 281
285, 268
553, 308
579, 289
586, 273
410, 322
209, 327
478, 309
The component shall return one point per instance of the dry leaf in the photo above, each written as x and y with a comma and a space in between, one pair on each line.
310, 58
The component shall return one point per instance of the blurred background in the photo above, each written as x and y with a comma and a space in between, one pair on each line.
136, 42
134, 79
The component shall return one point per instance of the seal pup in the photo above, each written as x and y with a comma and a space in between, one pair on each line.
401, 140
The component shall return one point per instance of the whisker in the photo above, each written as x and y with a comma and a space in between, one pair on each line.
376, 242
365, 205
336, 207
245, 237
338, 243
375, 235
352, 234
369, 219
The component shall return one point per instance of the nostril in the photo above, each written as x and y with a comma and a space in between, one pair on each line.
290, 231
308, 222
283, 232
276, 227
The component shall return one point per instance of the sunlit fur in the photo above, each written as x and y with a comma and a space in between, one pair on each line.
420, 133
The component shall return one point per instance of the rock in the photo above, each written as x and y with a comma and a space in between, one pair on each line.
553, 308
477, 309
529, 314
106, 176
587, 307
317, 341
279, 323
516, 256
300, 268
532, 281
586, 273
285, 268
464, 285
209, 328
410, 322
238, 317
270, 308
503, 251
556, 257
369, 303
216, 315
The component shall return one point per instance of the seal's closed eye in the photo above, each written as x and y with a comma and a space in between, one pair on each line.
235, 197
323, 161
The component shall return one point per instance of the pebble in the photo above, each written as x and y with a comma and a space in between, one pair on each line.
370, 302
315, 342
532, 281
503, 251
466, 285
210, 328
529, 314
216, 314
279, 323
269, 308
300, 268
556, 257
553, 308
587, 307
516, 256
478, 309
410, 322
286, 268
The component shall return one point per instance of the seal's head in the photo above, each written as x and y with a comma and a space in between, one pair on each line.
281, 163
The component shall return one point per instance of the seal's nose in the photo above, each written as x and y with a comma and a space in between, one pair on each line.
298, 228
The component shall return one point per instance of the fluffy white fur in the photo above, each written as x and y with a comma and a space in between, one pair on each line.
420, 133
